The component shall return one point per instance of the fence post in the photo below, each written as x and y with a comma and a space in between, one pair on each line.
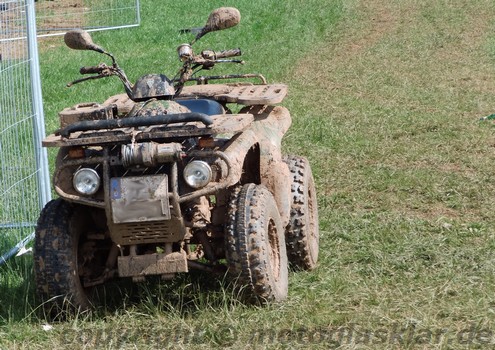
37, 102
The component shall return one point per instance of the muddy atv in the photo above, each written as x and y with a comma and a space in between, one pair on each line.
166, 178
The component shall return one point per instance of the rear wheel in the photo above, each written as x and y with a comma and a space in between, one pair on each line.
302, 232
255, 243
62, 255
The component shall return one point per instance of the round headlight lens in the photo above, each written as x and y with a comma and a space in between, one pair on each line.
197, 174
86, 181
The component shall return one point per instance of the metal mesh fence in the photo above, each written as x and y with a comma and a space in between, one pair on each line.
24, 179
57, 16
21, 188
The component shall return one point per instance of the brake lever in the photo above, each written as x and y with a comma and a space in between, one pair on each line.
230, 61
209, 64
99, 76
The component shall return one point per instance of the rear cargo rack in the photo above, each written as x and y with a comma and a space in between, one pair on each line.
245, 94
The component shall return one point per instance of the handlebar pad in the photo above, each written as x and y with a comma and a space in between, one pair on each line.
90, 70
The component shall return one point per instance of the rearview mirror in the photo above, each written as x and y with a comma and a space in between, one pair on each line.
81, 40
221, 18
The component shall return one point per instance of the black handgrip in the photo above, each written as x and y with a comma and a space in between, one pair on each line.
228, 53
91, 70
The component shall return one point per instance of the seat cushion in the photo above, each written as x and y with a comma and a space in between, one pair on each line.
209, 107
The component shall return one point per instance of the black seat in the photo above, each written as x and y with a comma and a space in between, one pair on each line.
209, 107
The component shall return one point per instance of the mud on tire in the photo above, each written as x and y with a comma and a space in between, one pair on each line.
56, 259
302, 232
255, 244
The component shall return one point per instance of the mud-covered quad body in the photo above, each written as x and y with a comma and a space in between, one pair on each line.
167, 183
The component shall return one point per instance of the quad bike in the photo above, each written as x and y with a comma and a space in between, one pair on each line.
166, 178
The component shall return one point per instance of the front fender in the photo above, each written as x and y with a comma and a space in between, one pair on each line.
269, 126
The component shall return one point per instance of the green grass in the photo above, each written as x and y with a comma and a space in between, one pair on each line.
271, 35
385, 98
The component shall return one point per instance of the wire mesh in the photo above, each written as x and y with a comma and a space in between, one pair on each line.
57, 16
19, 165
24, 180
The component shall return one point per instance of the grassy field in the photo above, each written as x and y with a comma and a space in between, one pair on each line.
386, 98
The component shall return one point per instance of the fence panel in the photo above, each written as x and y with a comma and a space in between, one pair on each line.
58, 16
24, 178
23, 182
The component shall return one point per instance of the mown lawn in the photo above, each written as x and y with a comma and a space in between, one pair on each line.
386, 98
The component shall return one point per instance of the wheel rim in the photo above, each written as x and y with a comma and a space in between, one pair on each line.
274, 249
89, 258
313, 236
76, 229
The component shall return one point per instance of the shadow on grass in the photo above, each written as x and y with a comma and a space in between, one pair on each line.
186, 294
17, 291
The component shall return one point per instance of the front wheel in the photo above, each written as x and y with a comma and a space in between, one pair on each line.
255, 243
62, 255
302, 232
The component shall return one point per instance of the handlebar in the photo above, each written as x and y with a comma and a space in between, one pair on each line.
191, 64
103, 71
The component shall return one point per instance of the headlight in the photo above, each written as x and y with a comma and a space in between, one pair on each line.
86, 181
197, 174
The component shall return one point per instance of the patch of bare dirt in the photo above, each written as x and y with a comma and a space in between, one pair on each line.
426, 61
448, 53
368, 22
377, 21
53, 15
